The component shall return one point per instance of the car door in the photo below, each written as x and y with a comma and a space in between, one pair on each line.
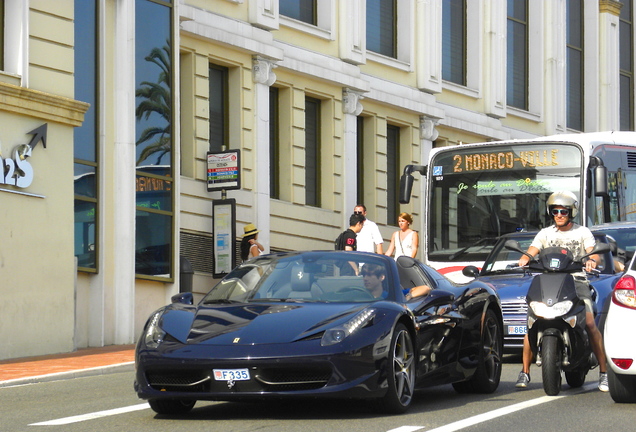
438, 324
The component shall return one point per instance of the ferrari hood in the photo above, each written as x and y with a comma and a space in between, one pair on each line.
254, 323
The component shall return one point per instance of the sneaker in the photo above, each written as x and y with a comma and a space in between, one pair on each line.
603, 385
524, 379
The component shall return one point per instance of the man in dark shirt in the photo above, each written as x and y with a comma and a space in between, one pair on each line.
347, 240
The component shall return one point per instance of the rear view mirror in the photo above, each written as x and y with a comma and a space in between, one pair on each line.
600, 180
406, 185
406, 182
470, 271
513, 245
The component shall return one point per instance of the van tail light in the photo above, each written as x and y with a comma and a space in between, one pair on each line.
623, 363
624, 293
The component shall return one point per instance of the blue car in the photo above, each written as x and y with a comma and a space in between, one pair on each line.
511, 282
625, 235
321, 324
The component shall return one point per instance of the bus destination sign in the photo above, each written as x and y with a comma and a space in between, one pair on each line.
505, 160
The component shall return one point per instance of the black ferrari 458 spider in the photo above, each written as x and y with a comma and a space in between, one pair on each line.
321, 324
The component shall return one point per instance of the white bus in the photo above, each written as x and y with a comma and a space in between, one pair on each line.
474, 193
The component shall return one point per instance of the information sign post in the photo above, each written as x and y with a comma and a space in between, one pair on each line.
223, 174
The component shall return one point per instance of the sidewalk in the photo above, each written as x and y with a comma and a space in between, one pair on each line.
83, 362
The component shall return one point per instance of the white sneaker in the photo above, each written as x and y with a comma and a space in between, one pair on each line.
523, 380
603, 384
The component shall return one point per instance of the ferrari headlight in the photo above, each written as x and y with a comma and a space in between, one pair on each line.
338, 334
154, 332
550, 312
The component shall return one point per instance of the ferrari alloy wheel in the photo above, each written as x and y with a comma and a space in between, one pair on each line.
401, 374
171, 406
486, 377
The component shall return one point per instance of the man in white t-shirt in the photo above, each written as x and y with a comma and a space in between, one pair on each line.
563, 207
369, 239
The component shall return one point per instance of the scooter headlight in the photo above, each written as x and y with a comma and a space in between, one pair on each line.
550, 312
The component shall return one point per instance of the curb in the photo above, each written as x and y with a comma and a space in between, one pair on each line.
78, 373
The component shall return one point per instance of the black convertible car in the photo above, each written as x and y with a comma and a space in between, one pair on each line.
321, 324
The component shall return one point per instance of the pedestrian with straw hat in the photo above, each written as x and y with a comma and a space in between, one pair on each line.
250, 247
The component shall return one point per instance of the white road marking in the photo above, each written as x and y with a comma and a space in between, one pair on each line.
92, 416
452, 427
406, 429
481, 418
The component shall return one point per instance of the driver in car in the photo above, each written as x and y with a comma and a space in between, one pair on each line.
579, 240
373, 276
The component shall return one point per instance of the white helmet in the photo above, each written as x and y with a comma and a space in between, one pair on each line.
565, 199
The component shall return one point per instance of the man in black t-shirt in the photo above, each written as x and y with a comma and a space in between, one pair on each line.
347, 239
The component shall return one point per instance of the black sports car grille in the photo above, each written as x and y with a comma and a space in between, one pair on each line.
293, 379
264, 379
180, 382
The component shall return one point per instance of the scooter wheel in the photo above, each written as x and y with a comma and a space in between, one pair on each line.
575, 378
551, 365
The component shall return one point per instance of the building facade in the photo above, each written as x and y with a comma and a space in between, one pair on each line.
111, 109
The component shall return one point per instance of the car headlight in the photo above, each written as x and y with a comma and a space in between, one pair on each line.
154, 332
338, 334
550, 312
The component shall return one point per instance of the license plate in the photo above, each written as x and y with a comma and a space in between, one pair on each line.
517, 330
231, 374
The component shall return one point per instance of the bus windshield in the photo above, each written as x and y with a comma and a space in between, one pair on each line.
481, 192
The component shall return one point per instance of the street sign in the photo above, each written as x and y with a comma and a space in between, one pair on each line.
224, 170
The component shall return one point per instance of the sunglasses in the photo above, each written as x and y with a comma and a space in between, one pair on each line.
357, 212
562, 212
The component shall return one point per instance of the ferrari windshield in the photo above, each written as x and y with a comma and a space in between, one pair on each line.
326, 276
478, 193
504, 260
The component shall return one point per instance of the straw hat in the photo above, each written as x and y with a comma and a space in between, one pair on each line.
250, 229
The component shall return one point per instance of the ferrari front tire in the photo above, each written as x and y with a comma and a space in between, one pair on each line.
401, 372
171, 406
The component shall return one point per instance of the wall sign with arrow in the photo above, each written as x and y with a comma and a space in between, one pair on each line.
17, 171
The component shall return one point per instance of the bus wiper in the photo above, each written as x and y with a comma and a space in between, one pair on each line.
463, 250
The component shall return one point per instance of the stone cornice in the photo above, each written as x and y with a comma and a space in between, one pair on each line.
44, 106
610, 6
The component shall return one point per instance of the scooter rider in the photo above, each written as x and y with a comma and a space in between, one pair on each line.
579, 240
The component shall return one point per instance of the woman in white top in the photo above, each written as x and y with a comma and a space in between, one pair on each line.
405, 240
250, 247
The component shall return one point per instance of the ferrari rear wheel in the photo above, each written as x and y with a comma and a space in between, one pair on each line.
486, 377
171, 406
401, 373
